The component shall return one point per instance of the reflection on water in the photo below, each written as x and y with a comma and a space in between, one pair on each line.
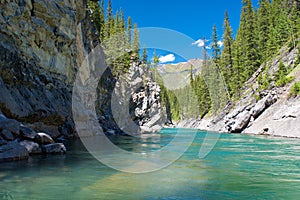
239, 167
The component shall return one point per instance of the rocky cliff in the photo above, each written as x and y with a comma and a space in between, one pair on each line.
39, 45
269, 112
42, 45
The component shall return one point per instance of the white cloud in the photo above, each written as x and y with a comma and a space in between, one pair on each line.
200, 43
220, 43
167, 58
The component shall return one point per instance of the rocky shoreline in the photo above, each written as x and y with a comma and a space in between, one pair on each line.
18, 142
268, 112
271, 116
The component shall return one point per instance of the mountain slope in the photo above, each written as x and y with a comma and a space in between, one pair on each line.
176, 76
260, 111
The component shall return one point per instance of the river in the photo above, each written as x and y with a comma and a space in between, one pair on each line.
239, 167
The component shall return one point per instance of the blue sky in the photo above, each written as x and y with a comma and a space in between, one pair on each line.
194, 18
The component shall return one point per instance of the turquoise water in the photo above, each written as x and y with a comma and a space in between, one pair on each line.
239, 167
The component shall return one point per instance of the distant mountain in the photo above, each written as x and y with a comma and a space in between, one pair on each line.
177, 75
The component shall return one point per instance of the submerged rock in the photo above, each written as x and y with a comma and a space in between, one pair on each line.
57, 148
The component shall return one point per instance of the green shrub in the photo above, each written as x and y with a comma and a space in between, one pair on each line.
284, 80
295, 90
297, 62
280, 77
264, 80
257, 97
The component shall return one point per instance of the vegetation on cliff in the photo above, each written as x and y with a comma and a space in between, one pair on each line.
118, 36
262, 33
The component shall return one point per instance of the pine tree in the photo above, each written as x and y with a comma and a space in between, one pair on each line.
227, 54
145, 56
281, 22
109, 10
279, 27
204, 53
155, 58
204, 100
237, 77
246, 54
252, 60
216, 50
263, 23
109, 20
129, 29
191, 76
97, 15
294, 22
136, 41
239, 57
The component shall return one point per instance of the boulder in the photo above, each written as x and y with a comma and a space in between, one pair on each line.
241, 122
13, 151
51, 130
43, 139
7, 135
2, 141
259, 108
265, 131
111, 132
27, 133
10, 125
264, 104
32, 147
57, 148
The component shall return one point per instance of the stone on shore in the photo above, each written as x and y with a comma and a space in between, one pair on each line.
13, 151
44, 139
27, 133
57, 148
32, 147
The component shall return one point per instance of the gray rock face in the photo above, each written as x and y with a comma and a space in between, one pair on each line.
281, 119
137, 93
41, 44
13, 151
146, 109
57, 148
240, 118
